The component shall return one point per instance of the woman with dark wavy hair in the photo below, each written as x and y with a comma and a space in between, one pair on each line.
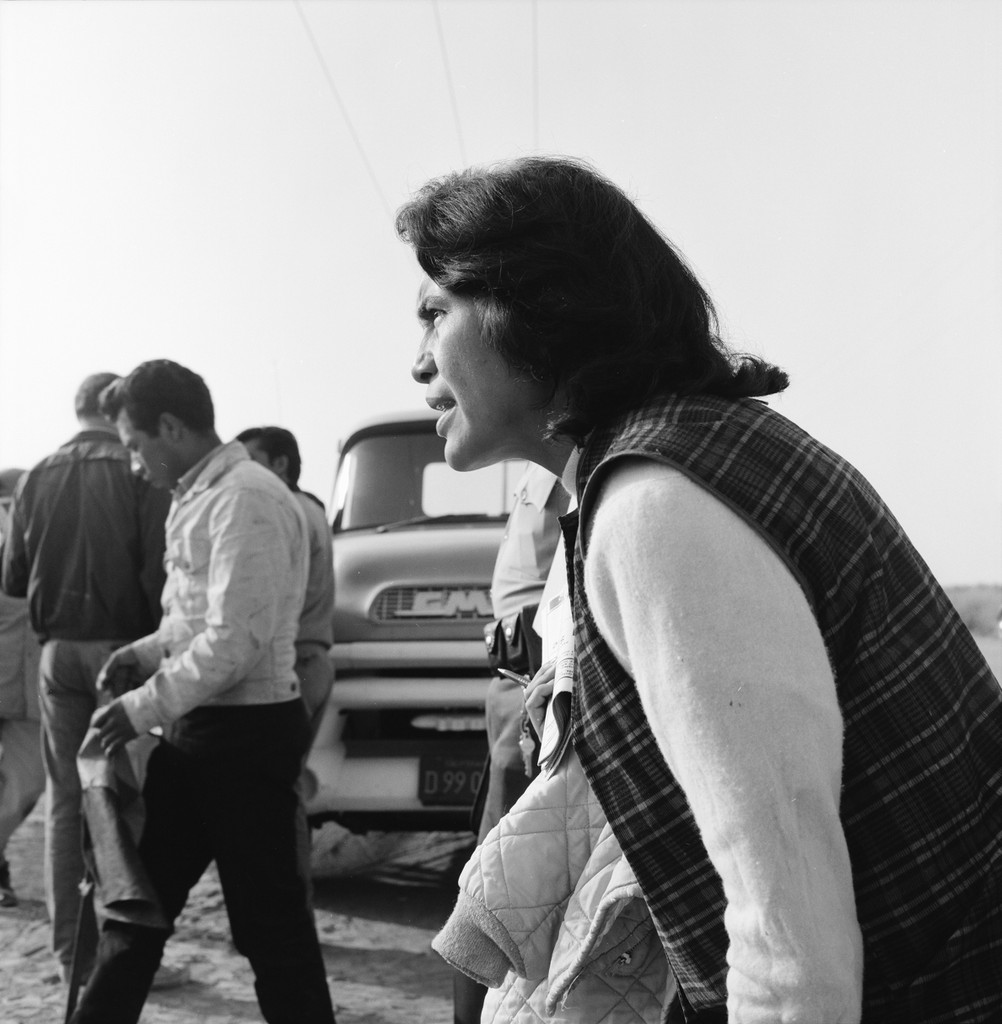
558, 262
795, 739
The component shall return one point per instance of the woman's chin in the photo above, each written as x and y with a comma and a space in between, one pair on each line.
464, 457
458, 460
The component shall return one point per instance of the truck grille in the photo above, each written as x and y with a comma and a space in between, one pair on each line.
432, 604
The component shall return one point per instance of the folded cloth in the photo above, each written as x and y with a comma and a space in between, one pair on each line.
113, 821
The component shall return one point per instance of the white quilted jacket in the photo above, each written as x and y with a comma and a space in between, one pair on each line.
551, 917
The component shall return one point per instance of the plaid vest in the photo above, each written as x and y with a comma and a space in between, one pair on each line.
921, 802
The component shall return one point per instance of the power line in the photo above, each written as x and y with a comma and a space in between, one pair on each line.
344, 110
448, 80
535, 75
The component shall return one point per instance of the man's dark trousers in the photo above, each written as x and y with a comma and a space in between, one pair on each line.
222, 787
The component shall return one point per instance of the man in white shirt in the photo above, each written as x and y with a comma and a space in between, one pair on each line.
218, 678
520, 570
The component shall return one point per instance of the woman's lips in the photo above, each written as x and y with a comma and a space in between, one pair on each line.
440, 422
443, 406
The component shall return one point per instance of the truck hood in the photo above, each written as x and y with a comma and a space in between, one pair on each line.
427, 582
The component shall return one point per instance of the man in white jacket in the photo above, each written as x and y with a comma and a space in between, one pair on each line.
218, 678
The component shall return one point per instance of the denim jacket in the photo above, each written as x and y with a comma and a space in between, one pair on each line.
236, 560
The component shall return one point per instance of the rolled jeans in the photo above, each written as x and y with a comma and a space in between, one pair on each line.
222, 786
67, 699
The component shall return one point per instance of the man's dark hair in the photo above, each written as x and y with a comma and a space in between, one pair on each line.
88, 394
576, 288
156, 387
276, 441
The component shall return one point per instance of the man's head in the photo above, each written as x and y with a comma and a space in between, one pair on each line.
87, 401
276, 449
164, 416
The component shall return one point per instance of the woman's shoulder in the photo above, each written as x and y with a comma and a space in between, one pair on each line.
645, 495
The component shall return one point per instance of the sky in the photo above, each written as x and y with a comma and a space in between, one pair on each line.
214, 182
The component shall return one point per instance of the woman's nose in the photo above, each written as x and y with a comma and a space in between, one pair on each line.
424, 368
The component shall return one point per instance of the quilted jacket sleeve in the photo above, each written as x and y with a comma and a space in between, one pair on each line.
516, 886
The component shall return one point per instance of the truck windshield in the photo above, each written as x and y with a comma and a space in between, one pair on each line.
403, 479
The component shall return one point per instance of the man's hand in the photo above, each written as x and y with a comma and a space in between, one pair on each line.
120, 673
114, 727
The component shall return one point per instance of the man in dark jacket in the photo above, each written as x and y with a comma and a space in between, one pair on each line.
85, 545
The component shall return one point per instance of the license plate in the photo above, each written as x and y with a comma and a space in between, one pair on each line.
448, 780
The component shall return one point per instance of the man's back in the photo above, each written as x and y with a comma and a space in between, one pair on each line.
85, 543
316, 623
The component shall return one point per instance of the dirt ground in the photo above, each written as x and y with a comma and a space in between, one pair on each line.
379, 900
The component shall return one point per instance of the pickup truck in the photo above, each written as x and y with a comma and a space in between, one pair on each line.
401, 743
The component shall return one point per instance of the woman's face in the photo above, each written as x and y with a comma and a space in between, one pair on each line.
488, 412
